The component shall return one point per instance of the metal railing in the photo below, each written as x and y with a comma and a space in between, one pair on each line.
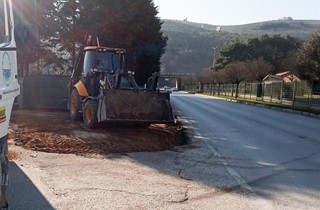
297, 94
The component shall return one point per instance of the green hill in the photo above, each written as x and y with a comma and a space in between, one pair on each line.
190, 45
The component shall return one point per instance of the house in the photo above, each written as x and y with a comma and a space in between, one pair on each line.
286, 76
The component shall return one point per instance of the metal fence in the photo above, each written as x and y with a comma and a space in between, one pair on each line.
44, 91
297, 94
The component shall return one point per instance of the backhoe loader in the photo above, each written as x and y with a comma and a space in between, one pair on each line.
101, 90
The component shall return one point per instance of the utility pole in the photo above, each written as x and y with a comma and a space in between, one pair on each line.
214, 57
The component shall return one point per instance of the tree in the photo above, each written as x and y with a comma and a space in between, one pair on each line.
233, 52
290, 63
272, 49
259, 69
132, 25
209, 76
309, 58
220, 77
59, 30
237, 73
41, 15
25, 17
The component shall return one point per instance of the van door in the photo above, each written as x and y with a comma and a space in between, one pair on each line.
9, 87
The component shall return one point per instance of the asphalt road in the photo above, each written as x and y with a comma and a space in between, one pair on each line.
269, 154
239, 157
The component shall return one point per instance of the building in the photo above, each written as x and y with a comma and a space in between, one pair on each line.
286, 76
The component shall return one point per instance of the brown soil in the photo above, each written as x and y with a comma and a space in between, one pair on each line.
12, 155
54, 132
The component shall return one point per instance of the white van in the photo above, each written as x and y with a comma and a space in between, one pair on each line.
9, 86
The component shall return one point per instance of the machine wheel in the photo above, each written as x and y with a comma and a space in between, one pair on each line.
75, 106
90, 117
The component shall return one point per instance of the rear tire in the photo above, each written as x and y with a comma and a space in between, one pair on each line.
75, 106
90, 116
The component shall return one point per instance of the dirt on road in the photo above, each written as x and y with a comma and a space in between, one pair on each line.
54, 132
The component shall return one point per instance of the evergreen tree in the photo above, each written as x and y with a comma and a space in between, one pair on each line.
59, 29
132, 25
272, 50
25, 34
309, 58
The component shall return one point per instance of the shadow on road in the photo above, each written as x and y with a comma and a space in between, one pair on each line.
22, 193
279, 163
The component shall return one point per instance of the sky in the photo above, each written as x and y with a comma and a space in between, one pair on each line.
236, 12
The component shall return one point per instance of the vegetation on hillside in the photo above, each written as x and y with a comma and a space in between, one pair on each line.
190, 44
273, 50
252, 59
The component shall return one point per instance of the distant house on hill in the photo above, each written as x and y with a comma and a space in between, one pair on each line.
286, 76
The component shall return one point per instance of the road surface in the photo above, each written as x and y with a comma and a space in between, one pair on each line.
269, 154
239, 157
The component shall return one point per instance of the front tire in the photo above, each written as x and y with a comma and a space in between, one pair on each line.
75, 106
90, 116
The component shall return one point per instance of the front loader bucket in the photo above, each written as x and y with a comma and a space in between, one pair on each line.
135, 106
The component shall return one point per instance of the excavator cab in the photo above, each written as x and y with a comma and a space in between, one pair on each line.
103, 59
102, 90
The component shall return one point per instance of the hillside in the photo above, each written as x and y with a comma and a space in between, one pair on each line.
190, 45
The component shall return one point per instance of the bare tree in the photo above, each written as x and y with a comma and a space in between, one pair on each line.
259, 69
237, 73
207, 76
189, 82
289, 63
220, 77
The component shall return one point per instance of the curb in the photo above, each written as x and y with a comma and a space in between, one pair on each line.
308, 114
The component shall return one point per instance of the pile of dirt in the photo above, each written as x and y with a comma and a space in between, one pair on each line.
54, 132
